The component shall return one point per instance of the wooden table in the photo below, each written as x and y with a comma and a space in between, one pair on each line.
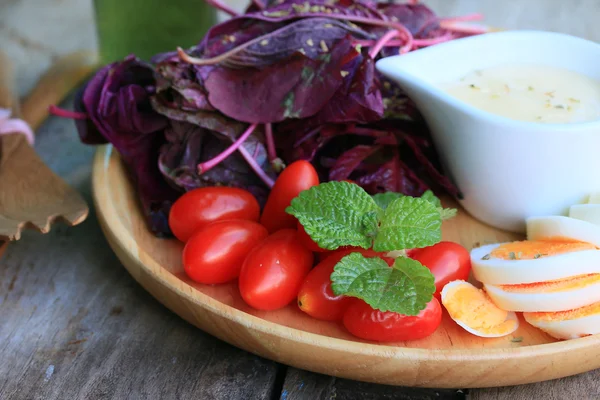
74, 324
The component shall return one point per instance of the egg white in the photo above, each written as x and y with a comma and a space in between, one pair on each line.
511, 315
544, 301
586, 212
540, 228
497, 271
594, 198
567, 329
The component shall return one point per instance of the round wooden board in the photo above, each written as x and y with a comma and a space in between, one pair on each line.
450, 358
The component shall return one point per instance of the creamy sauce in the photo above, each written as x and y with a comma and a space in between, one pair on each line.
531, 93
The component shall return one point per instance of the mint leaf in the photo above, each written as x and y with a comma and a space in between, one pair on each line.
383, 200
432, 198
407, 223
337, 214
405, 288
447, 213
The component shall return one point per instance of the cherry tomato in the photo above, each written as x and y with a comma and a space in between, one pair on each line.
295, 178
274, 271
216, 252
316, 298
366, 323
199, 207
307, 241
345, 250
447, 261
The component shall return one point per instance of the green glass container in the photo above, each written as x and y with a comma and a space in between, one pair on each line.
148, 27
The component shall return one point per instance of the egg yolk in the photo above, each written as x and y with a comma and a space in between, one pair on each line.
531, 249
474, 308
558, 285
576, 313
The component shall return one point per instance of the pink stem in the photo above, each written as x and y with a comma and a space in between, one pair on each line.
259, 4
256, 168
207, 165
381, 42
468, 17
462, 28
308, 136
270, 142
59, 112
430, 42
370, 43
220, 6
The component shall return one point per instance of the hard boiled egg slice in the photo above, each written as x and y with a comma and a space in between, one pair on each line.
586, 212
594, 198
533, 261
570, 324
556, 295
563, 228
473, 310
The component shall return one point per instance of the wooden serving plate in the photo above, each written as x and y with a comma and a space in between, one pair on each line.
450, 358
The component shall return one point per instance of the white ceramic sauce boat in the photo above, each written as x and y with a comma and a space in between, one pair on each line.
507, 170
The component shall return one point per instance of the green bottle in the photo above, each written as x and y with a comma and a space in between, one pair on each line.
148, 27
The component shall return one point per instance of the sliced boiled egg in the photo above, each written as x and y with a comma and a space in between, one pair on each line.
586, 212
559, 227
473, 310
556, 295
533, 261
569, 324
594, 198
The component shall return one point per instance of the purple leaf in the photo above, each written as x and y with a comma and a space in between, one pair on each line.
358, 100
117, 101
312, 37
294, 88
187, 145
349, 160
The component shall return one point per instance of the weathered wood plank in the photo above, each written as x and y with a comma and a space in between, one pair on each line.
304, 385
74, 324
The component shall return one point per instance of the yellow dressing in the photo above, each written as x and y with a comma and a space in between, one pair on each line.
533, 93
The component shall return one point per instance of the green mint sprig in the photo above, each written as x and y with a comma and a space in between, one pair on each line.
408, 222
383, 200
336, 214
405, 288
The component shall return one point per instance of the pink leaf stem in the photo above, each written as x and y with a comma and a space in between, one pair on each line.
207, 165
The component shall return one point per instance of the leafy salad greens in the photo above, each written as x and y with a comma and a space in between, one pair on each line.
286, 80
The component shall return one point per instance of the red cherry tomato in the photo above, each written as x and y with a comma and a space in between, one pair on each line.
274, 271
447, 261
345, 250
199, 207
366, 323
307, 241
316, 298
215, 253
295, 178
